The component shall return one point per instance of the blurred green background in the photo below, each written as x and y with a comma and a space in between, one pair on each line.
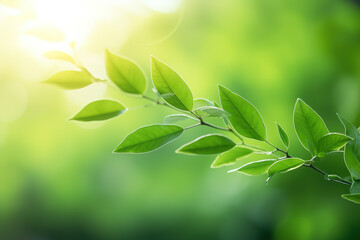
59, 179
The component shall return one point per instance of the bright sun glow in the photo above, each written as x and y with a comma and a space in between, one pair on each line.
71, 16
76, 17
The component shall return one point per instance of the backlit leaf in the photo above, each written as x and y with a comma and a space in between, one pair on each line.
100, 110
70, 79
255, 168
177, 118
331, 142
170, 86
208, 144
352, 149
231, 156
283, 136
352, 197
210, 112
126, 74
333, 177
244, 117
309, 126
149, 138
355, 187
285, 165
202, 102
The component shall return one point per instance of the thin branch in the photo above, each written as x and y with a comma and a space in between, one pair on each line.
325, 174
278, 149
195, 125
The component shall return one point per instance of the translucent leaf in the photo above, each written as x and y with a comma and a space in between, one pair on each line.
100, 110
210, 112
231, 156
208, 144
244, 117
126, 74
177, 118
352, 197
59, 55
149, 138
202, 102
331, 142
285, 165
170, 86
309, 126
225, 119
255, 168
70, 79
355, 187
352, 149
283, 136
333, 177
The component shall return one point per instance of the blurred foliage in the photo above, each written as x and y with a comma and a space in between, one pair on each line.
59, 180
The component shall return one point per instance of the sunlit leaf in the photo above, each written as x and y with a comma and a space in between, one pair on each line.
255, 168
285, 165
59, 55
170, 86
231, 156
331, 142
352, 149
208, 144
283, 136
352, 197
177, 118
309, 126
202, 102
70, 79
126, 74
100, 110
333, 177
149, 138
208, 111
355, 187
225, 119
244, 117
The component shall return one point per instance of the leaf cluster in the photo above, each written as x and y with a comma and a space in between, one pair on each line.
241, 121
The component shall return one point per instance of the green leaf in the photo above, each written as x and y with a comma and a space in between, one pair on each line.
283, 136
352, 197
177, 118
231, 156
208, 144
70, 79
331, 142
170, 86
309, 126
352, 149
202, 102
59, 55
244, 117
149, 138
255, 168
333, 177
210, 112
100, 110
225, 119
125, 73
355, 187
285, 165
